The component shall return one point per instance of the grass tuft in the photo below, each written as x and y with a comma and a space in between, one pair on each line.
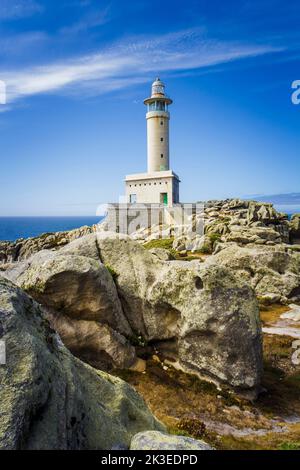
166, 243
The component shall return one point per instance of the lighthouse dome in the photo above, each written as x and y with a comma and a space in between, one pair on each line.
158, 88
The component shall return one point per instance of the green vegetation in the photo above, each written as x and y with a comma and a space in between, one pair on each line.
112, 272
214, 237
166, 243
192, 257
138, 340
205, 250
289, 446
179, 432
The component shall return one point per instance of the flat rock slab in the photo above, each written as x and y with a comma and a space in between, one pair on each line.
293, 314
155, 440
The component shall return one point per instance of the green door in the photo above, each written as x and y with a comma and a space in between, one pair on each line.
165, 199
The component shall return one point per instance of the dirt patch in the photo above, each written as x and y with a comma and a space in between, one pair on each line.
271, 314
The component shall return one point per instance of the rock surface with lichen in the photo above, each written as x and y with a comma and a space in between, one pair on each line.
155, 440
51, 400
11, 252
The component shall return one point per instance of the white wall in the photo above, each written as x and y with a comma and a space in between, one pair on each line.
149, 191
157, 129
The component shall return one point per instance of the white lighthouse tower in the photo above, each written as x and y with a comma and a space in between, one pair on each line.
158, 118
159, 185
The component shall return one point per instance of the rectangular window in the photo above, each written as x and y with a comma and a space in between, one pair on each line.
132, 198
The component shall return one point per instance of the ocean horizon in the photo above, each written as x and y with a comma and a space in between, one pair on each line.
13, 228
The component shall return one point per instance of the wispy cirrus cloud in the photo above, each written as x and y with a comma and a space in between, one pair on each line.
14, 9
129, 62
91, 19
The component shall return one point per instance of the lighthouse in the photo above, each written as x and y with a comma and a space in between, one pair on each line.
158, 118
160, 185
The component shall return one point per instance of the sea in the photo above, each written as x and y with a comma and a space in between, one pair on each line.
13, 228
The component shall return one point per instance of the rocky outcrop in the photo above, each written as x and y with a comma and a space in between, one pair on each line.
21, 249
295, 228
155, 440
204, 318
273, 271
82, 305
51, 400
162, 254
260, 244
228, 221
263, 212
246, 222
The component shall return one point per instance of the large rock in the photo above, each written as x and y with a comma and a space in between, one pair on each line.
274, 272
82, 305
258, 235
295, 228
51, 400
162, 254
263, 212
135, 270
194, 243
155, 440
210, 317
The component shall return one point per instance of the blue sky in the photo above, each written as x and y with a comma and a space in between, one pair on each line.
77, 72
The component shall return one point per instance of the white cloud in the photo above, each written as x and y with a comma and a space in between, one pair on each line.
124, 64
90, 20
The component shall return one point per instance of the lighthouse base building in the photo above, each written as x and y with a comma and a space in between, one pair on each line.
161, 187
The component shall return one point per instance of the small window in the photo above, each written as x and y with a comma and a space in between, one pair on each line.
161, 123
161, 155
132, 198
161, 139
